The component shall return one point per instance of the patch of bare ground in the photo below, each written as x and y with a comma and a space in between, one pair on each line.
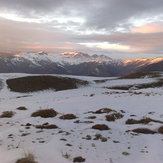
45, 113
160, 130
125, 153
29, 158
142, 75
43, 82
142, 121
7, 114
68, 117
46, 126
100, 127
79, 159
104, 110
114, 116
100, 137
22, 108
87, 137
156, 84
78, 121
144, 131
25, 134
101, 81
91, 117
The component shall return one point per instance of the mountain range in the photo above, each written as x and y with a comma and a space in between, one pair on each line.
76, 63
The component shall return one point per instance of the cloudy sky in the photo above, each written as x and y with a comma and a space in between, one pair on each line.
118, 28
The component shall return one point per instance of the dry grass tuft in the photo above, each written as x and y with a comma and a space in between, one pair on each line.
114, 116
142, 121
46, 126
104, 110
7, 114
29, 158
141, 75
100, 127
79, 159
46, 113
160, 130
68, 117
143, 131
22, 108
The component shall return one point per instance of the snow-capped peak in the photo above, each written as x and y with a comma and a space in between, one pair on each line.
75, 54
142, 61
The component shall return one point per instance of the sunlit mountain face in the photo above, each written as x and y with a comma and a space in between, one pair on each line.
117, 28
76, 63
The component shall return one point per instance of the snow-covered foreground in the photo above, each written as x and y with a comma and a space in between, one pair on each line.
71, 139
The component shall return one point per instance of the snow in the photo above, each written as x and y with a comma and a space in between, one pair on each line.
67, 57
142, 148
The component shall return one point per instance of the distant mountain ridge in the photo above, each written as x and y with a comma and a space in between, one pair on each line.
76, 63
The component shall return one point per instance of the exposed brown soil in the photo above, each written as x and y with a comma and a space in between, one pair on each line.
156, 84
91, 117
68, 117
21, 108
79, 159
141, 75
28, 159
160, 130
144, 131
142, 121
25, 160
100, 127
113, 116
37, 83
46, 113
78, 121
104, 110
46, 126
88, 137
7, 114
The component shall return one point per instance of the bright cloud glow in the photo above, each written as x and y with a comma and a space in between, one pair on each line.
14, 17
149, 28
107, 46
46, 19
145, 20
90, 26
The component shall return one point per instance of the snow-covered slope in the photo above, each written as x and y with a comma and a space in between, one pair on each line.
76, 137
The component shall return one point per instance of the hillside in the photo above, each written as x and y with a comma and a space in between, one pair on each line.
98, 120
